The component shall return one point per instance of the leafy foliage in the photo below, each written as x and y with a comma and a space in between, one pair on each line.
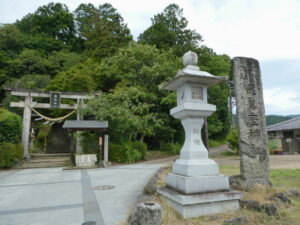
273, 119
91, 50
102, 29
19, 151
170, 148
141, 147
124, 153
7, 155
28, 62
233, 140
169, 30
31, 82
78, 78
133, 104
220, 65
132, 155
53, 20
89, 142
10, 127
128, 118
10, 40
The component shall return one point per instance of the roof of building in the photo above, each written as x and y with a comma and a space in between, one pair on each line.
85, 124
292, 124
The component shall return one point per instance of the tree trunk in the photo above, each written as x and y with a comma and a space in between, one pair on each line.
142, 137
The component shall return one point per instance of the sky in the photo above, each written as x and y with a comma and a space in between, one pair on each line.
267, 30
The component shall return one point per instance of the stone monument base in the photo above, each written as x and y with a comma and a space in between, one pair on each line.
195, 205
197, 184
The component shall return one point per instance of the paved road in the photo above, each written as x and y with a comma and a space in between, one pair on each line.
52, 196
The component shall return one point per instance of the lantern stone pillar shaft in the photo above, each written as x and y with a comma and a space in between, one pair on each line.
193, 147
195, 187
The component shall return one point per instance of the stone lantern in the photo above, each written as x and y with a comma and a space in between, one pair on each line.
195, 187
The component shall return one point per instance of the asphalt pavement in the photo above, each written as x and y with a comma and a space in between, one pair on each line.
53, 196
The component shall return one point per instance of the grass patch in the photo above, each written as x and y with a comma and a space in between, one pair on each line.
229, 170
229, 153
151, 155
283, 179
216, 143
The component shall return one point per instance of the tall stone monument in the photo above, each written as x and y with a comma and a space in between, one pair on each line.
253, 139
195, 187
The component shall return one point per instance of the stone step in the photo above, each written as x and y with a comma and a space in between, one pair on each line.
41, 165
49, 160
46, 161
34, 155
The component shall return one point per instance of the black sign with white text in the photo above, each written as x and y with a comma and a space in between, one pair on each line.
55, 99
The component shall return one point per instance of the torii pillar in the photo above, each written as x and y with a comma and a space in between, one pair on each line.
26, 126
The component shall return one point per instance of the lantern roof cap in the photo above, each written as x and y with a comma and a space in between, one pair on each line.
192, 74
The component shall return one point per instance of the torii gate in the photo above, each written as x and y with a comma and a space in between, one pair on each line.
28, 103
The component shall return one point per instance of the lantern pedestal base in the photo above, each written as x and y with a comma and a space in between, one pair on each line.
196, 205
195, 167
198, 184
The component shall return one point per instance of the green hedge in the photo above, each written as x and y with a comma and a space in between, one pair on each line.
116, 153
127, 152
7, 155
10, 154
10, 127
140, 146
19, 152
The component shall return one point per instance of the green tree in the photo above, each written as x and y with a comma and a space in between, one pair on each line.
10, 46
31, 61
131, 79
169, 30
128, 112
63, 60
28, 62
138, 64
102, 28
76, 79
43, 43
30, 82
10, 41
54, 20
219, 65
83, 14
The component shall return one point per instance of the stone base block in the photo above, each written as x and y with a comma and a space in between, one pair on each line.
85, 160
199, 184
201, 204
193, 168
